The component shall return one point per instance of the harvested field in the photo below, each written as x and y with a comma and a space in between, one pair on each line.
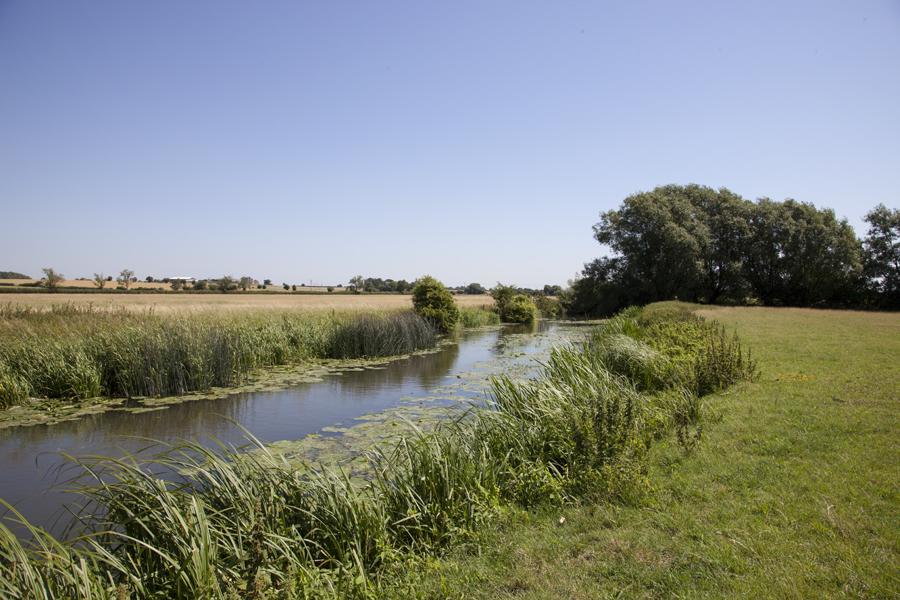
230, 301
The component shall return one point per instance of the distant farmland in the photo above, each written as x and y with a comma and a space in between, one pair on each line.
230, 301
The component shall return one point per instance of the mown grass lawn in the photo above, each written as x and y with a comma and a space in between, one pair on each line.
792, 492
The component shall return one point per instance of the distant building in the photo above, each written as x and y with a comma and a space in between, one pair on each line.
182, 279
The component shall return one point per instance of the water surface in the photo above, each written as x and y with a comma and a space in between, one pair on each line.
32, 465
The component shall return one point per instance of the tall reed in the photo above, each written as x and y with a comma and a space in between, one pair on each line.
77, 353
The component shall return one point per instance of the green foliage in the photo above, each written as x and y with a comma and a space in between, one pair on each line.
470, 317
434, 302
13, 275
502, 295
549, 307
475, 288
882, 256
247, 524
704, 245
519, 309
76, 353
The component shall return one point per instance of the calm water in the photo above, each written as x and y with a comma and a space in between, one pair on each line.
32, 468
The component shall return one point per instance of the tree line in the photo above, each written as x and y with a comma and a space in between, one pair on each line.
700, 244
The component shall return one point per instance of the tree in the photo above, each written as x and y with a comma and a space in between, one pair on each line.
200, 285
800, 255
657, 237
245, 282
267, 282
475, 288
125, 278
881, 249
552, 290
177, 285
433, 301
519, 309
149, 279
99, 280
226, 283
52, 279
357, 284
502, 295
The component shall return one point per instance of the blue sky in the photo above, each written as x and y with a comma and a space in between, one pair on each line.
476, 141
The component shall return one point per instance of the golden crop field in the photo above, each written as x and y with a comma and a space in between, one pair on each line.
230, 301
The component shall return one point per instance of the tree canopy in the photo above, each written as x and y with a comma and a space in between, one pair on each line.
711, 245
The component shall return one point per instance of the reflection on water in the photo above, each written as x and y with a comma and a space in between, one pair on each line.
30, 458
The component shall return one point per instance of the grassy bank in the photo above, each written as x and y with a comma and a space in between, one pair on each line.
792, 491
75, 353
246, 525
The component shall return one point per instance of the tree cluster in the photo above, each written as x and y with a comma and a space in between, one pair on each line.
377, 284
705, 245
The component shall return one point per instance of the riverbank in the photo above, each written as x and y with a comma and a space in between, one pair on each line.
579, 432
792, 491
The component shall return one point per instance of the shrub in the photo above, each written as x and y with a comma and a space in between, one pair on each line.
519, 309
550, 308
435, 303
502, 295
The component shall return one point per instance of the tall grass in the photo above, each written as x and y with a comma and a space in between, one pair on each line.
471, 317
195, 522
76, 353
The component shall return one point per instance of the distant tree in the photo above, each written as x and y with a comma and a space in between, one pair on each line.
149, 279
881, 249
294, 288
286, 286
52, 279
357, 284
226, 283
99, 280
475, 288
13, 275
125, 278
267, 282
552, 290
502, 295
200, 285
402, 286
177, 285
245, 282
330, 288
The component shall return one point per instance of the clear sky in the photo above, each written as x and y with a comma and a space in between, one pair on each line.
476, 141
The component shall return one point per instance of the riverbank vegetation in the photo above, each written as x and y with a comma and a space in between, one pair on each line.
75, 353
791, 493
239, 524
713, 246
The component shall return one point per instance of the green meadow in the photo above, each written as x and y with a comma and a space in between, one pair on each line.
792, 491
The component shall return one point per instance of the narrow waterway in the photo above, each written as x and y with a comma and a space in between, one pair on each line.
33, 470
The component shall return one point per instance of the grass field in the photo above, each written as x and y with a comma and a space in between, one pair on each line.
792, 492
231, 301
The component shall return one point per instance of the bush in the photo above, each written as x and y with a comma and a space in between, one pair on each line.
519, 309
550, 308
435, 303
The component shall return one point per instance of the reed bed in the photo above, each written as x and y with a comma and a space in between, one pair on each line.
471, 317
227, 523
74, 353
